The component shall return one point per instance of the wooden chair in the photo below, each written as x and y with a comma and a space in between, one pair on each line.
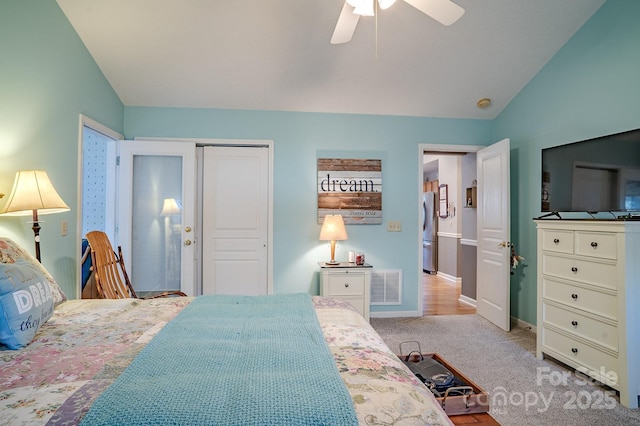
110, 274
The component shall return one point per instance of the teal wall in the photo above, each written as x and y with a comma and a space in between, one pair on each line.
301, 138
590, 88
47, 79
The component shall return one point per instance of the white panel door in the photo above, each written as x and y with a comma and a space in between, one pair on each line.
494, 252
235, 214
156, 194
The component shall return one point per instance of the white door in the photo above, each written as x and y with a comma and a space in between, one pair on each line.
494, 251
156, 214
235, 215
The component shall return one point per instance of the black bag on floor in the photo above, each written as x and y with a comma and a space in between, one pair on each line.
436, 376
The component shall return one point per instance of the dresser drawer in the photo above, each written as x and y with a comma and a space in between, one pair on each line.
346, 284
602, 365
603, 304
595, 273
596, 244
557, 241
600, 332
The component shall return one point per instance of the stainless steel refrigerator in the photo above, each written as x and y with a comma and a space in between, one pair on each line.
430, 233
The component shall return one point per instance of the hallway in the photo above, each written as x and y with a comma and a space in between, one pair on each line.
441, 297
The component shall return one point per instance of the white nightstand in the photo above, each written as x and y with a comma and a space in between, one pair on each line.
348, 282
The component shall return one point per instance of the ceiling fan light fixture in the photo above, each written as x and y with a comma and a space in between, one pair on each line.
365, 8
385, 4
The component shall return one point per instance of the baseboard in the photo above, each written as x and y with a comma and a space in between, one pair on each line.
450, 279
516, 322
393, 314
467, 300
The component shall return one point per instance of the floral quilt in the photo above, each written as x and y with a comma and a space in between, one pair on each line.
87, 343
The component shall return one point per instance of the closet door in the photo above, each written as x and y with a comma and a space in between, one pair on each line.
235, 214
156, 214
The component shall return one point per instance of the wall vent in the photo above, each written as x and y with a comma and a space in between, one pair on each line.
386, 287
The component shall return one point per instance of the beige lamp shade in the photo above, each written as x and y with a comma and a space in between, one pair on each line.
170, 207
33, 190
333, 229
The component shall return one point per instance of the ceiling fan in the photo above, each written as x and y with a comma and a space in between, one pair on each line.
443, 11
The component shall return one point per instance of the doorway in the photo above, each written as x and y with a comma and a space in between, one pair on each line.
493, 227
449, 288
96, 188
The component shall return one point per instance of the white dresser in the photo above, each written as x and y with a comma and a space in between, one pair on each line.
348, 282
589, 300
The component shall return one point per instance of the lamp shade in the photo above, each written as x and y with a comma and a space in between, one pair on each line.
170, 207
333, 228
33, 190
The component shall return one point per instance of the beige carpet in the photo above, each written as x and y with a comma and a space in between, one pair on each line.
524, 390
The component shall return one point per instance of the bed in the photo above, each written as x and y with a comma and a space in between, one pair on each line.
93, 355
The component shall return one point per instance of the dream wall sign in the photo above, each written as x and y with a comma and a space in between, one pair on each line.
352, 188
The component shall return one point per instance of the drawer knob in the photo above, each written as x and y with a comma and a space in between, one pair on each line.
594, 244
556, 241
574, 296
574, 269
574, 323
346, 284
574, 350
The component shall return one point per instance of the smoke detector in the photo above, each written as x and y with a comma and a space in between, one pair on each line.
484, 103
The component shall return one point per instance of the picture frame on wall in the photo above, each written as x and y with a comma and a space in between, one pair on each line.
443, 201
351, 187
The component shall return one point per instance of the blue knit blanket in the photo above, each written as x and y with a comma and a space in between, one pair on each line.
232, 360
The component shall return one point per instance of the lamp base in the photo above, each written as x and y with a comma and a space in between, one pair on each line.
332, 262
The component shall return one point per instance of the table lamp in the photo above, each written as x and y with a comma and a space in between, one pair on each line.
33, 193
333, 229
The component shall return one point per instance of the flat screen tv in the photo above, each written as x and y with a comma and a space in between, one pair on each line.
595, 175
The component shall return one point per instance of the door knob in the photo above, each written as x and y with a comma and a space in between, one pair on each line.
187, 242
187, 229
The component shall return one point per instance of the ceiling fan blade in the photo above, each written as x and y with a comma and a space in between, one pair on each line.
443, 11
346, 25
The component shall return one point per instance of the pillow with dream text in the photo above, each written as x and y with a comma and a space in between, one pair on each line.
27, 295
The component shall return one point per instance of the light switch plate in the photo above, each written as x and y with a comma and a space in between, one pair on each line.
394, 226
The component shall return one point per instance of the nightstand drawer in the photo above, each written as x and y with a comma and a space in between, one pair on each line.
595, 273
347, 284
596, 244
600, 332
557, 241
581, 298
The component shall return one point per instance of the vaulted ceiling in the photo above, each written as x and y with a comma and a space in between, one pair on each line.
277, 55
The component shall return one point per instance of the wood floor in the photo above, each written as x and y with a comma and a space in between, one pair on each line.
441, 297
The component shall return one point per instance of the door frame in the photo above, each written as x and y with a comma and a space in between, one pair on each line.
85, 121
422, 147
269, 144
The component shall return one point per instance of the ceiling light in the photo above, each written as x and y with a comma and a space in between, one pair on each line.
385, 4
365, 8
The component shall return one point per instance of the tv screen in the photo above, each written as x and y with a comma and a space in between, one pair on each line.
595, 175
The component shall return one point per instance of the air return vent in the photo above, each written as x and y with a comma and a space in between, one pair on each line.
386, 287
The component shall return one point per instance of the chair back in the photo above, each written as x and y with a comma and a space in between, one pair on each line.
111, 276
